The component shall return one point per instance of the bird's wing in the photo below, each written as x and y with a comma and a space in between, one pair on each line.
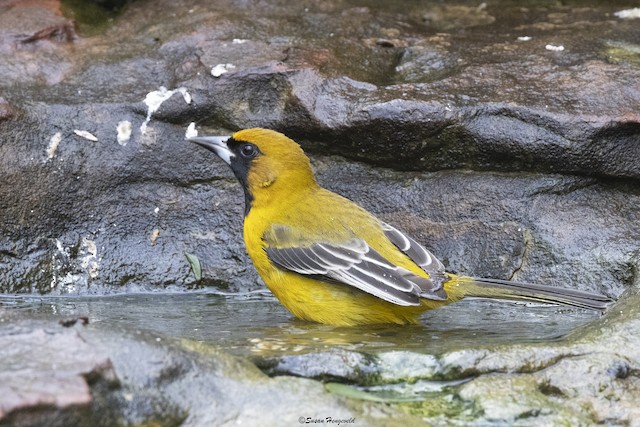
418, 254
352, 263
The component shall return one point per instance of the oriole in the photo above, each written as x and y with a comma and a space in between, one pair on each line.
330, 261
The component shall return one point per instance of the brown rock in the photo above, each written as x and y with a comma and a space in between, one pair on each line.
6, 112
44, 375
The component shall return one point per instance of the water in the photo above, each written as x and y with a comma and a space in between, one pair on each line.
256, 324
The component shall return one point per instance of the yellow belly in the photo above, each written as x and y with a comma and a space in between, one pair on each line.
337, 304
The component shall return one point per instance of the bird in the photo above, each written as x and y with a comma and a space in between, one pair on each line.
328, 260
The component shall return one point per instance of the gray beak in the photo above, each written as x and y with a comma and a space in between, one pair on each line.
217, 144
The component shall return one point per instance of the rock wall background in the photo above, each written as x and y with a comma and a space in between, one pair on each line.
464, 124
505, 136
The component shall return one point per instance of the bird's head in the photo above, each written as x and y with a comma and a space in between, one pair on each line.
267, 163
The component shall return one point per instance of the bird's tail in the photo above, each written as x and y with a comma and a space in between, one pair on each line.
505, 289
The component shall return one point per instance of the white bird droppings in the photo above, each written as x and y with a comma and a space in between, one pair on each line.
86, 135
54, 142
554, 48
154, 100
628, 13
124, 132
191, 131
220, 69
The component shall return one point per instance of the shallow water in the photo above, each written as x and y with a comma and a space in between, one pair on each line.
257, 324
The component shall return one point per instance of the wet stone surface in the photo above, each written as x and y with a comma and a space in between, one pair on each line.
503, 136
202, 358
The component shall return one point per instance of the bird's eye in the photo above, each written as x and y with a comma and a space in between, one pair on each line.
248, 151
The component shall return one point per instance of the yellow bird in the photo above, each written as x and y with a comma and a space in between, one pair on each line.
330, 261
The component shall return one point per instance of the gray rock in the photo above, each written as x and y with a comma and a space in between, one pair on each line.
160, 358
594, 371
518, 384
93, 376
45, 374
91, 215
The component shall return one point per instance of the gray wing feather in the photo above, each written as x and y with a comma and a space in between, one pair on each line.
433, 288
414, 250
354, 264
384, 275
361, 280
328, 258
292, 258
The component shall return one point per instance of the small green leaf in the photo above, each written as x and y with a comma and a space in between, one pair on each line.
195, 265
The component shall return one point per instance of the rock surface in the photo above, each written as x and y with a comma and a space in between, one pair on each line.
92, 376
45, 373
187, 360
417, 87
422, 88
502, 136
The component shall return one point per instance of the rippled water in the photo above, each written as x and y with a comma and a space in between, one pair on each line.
258, 324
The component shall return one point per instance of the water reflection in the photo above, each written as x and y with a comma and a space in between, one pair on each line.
257, 324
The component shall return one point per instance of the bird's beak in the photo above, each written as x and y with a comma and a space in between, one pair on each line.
217, 144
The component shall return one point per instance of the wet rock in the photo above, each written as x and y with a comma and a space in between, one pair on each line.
6, 112
522, 384
35, 44
430, 98
518, 401
576, 377
169, 363
46, 375
450, 17
69, 252
96, 376
30, 22
330, 366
